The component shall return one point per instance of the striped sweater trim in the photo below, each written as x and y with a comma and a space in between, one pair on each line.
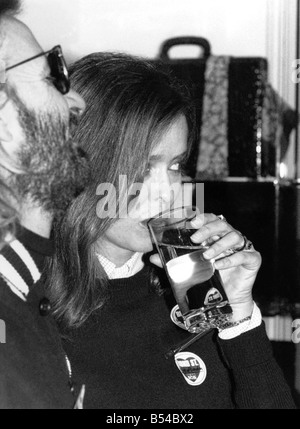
14, 259
18, 269
25, 256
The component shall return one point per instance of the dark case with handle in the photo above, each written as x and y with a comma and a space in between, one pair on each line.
247, 80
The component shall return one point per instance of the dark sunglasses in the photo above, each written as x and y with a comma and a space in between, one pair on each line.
58, 68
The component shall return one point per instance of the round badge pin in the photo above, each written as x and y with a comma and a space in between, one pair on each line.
192, 368
177, 318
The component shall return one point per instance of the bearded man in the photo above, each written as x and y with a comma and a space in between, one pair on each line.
44, 169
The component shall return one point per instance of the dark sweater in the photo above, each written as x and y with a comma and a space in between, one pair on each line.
33, 370
120, 355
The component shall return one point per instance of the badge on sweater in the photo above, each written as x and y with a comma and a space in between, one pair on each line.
192, 368
177, 318
213, 297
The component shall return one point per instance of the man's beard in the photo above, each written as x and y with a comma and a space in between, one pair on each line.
55, 169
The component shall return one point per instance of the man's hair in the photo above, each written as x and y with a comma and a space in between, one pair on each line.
11, 7
7, 212
131, 103
8, 215
8, 8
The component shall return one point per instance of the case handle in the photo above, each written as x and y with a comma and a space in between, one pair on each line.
177, 41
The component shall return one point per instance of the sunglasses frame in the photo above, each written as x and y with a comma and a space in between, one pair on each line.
58, 68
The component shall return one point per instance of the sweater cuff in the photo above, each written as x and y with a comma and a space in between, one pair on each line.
249, 349
255, 322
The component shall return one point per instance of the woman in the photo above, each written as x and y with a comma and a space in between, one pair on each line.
115, 313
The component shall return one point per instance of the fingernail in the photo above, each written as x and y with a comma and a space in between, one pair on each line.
196, 237
209, 254
197, 223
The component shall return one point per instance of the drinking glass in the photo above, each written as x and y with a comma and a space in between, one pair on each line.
191, 276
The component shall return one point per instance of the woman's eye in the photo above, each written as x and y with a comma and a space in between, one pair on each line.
176, 168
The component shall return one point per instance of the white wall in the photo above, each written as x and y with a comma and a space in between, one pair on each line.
234, 27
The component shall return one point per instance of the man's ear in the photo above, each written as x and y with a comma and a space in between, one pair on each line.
5, 134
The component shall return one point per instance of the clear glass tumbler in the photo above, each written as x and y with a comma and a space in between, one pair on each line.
189, 273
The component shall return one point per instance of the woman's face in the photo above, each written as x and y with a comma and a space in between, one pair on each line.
162, 184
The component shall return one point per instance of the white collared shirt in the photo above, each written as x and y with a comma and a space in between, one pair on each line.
236, 331
129, 269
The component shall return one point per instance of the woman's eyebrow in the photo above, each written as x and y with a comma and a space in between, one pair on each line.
156, 158
180, 156
160, 158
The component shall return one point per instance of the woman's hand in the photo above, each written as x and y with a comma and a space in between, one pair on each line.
238, 270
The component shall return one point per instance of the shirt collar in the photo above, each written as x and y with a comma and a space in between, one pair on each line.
129, 269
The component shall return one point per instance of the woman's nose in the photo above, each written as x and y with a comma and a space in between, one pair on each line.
163, 186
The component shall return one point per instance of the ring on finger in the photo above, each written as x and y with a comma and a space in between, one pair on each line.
246, 247
223, 218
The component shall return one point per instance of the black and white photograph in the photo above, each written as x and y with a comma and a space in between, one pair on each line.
149, 207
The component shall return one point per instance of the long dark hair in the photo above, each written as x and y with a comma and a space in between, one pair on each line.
130, 103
